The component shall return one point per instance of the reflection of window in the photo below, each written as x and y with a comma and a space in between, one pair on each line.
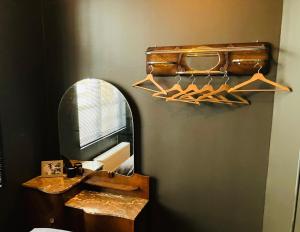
101, 110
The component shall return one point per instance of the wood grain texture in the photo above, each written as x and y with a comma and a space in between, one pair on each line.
136, 185
47, 210
168, 64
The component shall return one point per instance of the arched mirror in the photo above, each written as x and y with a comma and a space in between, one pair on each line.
96, 126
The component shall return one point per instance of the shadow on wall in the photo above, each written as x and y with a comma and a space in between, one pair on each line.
164, 219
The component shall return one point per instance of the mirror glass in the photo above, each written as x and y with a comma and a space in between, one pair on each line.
96, 126
202, 62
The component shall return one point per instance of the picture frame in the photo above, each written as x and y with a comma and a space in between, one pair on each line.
52, 168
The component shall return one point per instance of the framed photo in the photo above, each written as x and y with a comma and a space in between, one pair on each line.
52, 168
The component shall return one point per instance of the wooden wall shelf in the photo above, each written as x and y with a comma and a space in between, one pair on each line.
236, 58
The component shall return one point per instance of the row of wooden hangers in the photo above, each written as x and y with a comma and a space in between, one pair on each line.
225, 94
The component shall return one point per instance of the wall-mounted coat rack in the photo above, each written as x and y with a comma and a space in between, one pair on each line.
238, 58
235, 59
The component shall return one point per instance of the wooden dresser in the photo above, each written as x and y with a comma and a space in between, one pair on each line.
93, 202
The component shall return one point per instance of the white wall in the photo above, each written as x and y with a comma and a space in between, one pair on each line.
285, 138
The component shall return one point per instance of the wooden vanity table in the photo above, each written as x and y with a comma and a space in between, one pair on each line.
95, 124
93, 202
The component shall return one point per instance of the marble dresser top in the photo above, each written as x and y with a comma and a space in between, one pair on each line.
55, 185
104, 203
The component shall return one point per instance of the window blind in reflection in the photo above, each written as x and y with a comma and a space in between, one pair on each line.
101, 111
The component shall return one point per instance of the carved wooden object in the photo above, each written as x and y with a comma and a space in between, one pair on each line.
237, 59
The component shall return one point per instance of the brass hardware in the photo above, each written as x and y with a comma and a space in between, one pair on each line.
51, 220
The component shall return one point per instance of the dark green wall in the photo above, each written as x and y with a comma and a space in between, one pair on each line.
209, 164
21, 103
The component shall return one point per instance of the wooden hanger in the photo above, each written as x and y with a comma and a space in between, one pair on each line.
150, 78
190, 88
259, 76
175, 87
224, 88
206, 88
180, 91
191, 99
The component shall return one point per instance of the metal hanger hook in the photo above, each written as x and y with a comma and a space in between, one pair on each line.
210, 78
194, 78
178, 79
151, 69
227, 80
226, 75
260, 66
